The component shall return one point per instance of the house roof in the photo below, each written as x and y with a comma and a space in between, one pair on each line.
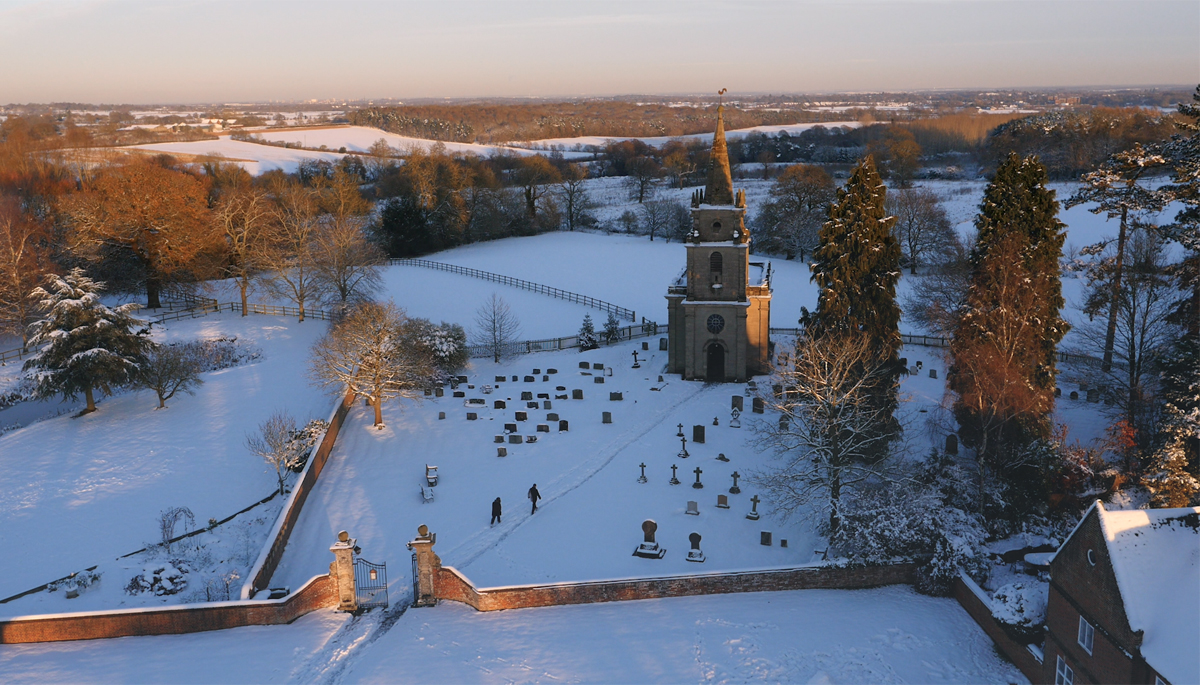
1156, 559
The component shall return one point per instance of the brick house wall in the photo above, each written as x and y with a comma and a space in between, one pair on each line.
318, 593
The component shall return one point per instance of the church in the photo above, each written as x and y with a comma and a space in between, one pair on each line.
719, 308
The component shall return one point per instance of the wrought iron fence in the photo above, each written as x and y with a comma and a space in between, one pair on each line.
618, 311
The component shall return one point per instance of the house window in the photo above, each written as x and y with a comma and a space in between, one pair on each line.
1063, 675
1091, 557
1086, 633
1159, 681
715, 265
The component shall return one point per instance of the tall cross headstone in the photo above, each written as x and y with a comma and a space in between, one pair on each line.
680, 433
753, 515
735, 490
642, 478
698, 485
683, 453
674, 480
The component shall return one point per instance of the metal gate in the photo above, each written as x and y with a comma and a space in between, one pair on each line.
416, 581
370, 584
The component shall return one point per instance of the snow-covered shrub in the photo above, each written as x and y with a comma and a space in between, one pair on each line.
77, 582
446, 344
303, 441
1022, 606
214, 354
161, 578
168, 519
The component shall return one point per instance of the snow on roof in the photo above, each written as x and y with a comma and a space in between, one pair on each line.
1156, 559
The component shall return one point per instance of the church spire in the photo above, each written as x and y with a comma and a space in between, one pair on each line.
720, 181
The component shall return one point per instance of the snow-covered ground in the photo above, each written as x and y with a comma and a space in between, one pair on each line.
361, 138
580, 142
82, 491
254, 158
886, 635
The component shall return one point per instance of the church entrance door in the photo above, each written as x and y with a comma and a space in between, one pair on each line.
715, 368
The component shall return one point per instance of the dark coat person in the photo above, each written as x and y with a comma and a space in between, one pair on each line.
534, 496
495, 511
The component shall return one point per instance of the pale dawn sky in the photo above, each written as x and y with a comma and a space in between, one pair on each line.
208, 51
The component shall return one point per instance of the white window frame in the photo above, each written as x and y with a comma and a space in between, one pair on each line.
1063, 673
1086, 636
1159, 681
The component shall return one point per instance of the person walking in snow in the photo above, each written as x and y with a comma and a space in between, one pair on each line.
534, 496
495, 511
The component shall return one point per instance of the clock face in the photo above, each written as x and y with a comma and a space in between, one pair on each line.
716, 323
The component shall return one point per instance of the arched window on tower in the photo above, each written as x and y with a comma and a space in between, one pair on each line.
715, 266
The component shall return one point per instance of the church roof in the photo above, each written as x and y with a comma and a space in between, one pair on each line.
720, 181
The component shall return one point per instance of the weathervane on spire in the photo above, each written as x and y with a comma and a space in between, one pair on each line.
720, 96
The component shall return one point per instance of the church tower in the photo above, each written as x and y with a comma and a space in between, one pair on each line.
719, 308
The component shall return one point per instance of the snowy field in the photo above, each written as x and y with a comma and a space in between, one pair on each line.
82, 491
361, 138
254, 158
887, 635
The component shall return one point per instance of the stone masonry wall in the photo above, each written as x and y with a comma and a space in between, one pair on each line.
449, 584
977, 609
318, 593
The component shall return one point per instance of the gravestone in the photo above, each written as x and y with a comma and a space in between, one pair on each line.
649, 548
662, 344
462, 379
698, 435
560, 397
501, 379
501, 451
722, 457
777, 391
460, 393
606, 417
514, 439
499, 404
487, 389
429, 392
546, 404
522, 416
441, 415
476, 402
757, 405
543, 428
562, 426
598, 379
1058, 392
439, 392
615, 396
933, 373
510, 428
764, 538
693, 508
532, 405
561, 388
683, 453
499, 439
674, 480
753, 515
735, 420
736, 402
551, 371
716, 421
735, 490
531, 438
694, 554
537, 372
530, 379
1093, 395
471, 416
783, 542
543, 395
526, 396
585, 365
1074, 395
514, 378
552, 416
698, 485
722, 501
783, 423
920, 364
680, 433
642, 478
952, 444
598, 365
645, 345
912, 370
545, 378
577, 394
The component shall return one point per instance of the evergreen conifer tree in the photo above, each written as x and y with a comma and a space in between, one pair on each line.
88, 345
1005, 343
587, 334
612, 329
856, 266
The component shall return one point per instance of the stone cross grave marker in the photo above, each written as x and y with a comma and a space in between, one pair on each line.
694, 554
698, 485
753, 515
674, 480
693, 508
735, 490
680, 433
683, 453
649, 549
642, 478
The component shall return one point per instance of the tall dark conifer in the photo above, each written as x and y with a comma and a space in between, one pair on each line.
856, 266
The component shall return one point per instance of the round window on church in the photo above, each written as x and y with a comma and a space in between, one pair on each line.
716, 323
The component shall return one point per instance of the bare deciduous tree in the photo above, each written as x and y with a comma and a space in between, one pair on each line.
292, 255
347, 263
644, 173
575, 201
24, 259
170, 369
656, 217
244, 216
921, 227
372, 351
274, 443
495, 326
828, 438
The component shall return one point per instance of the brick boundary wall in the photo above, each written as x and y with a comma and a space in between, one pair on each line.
269, 558
318, 593
450, 584
980, 610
